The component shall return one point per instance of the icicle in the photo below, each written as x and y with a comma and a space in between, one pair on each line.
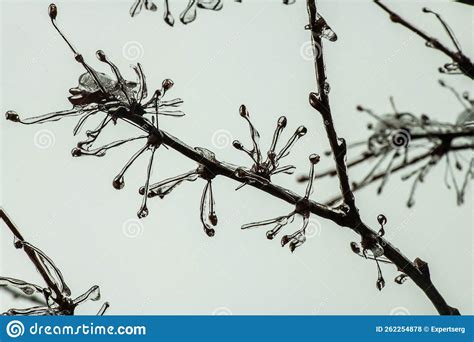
143, 211
118, 181
382, 220
92, 294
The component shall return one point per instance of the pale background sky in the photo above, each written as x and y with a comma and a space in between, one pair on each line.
248, 53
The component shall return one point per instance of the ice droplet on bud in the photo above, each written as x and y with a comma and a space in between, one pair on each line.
143, 212
52, 11
327, 88
237, 144
167, 84
209, 231
118, 183
213, 218
17, 243
243, 111
382, 219
76, 152
282, 121
11, 115
380, 283
301, 131
314, 158
101, 55
401, 278
284, 240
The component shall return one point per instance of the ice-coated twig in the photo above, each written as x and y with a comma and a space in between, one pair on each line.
208, 215
57, 295
302, 208
263, 168
374, 251
119, 99
189, 14
370, 239
345, 215
461, 64
401, 133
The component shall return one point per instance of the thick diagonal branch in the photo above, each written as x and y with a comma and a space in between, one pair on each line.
336, 215
321, 103
321, 100
229, 171
341, 216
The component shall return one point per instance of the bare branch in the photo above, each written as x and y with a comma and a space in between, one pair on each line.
132, 110
461, 63
370, 239
57, 295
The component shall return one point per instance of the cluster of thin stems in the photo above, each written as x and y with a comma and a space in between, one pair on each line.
189, 14
460, 63
122, 100
401, 141
56, 293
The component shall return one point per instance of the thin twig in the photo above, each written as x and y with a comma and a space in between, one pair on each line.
58, 303
461, 60
33, 257
402, 166
18, 294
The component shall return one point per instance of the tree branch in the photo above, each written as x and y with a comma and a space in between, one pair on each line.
333, 201
320, 102
58, 303
33, 257
346, 215
463, 63
338, 216
229, 171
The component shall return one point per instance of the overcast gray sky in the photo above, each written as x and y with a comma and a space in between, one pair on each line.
252, 53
